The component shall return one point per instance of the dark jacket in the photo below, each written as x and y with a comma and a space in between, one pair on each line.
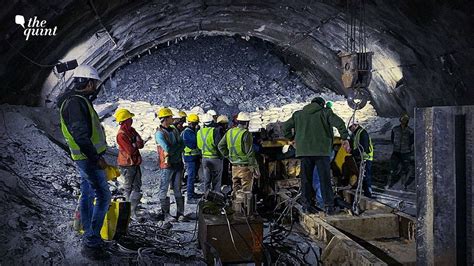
78, 122
312, 128
402, 139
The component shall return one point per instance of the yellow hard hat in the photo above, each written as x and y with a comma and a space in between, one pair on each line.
164, 112
111, 172
193, 118
182, 114
122, 115
222, 119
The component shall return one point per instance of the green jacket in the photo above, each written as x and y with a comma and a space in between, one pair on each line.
242, 152
311, 128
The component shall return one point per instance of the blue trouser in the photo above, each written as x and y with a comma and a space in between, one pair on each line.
317, 188
192, 168
93, 185
168, 176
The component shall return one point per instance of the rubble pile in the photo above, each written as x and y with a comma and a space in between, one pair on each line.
223, 73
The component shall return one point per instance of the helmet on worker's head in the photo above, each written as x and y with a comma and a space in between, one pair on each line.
193, 118
182, 114
243, 116
329, 104
319, 100
207, 119
212, 112
122, 115
404, 118
222, 119
86, 72
165, 112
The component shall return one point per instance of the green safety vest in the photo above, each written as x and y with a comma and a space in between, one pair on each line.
188, 151
234, 143
205, 142
368, 156
97, 138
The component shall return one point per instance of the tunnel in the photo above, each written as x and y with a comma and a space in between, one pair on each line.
408, 71
268, 58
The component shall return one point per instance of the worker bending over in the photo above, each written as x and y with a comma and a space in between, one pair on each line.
170, 147
363, 151
237, 146
311, 130
85, 137
129, 158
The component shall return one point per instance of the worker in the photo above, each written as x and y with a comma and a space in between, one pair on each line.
179, 120
170, 146
402, 138
129, 158
317, 190
223, 124
85, 137
192, 157
237, 145
329, 104
363, 151
213, 114
311, 131
208, 138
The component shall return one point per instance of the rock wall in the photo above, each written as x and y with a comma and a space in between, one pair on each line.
422, 48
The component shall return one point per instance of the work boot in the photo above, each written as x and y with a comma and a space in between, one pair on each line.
95, 253
180, 210
135, 198
165, 209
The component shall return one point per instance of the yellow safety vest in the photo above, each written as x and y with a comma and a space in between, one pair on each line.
188, 151
234, 143
205, 142
97, 138
368, 156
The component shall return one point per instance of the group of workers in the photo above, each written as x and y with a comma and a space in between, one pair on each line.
210, 146
182, 145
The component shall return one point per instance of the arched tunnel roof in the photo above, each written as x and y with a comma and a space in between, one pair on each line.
422, 50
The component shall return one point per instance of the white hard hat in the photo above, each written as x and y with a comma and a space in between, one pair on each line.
85, 71
243, 116
206, 118
354, 122
212, 112
223, 119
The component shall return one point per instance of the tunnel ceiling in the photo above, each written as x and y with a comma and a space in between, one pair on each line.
422, 49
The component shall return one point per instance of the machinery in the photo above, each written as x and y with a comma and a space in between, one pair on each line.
230, 232
116, 219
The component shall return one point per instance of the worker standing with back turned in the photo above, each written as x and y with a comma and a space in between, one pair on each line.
311, 130
192, 157
85, 137
237, 145
129, 158
208, 139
